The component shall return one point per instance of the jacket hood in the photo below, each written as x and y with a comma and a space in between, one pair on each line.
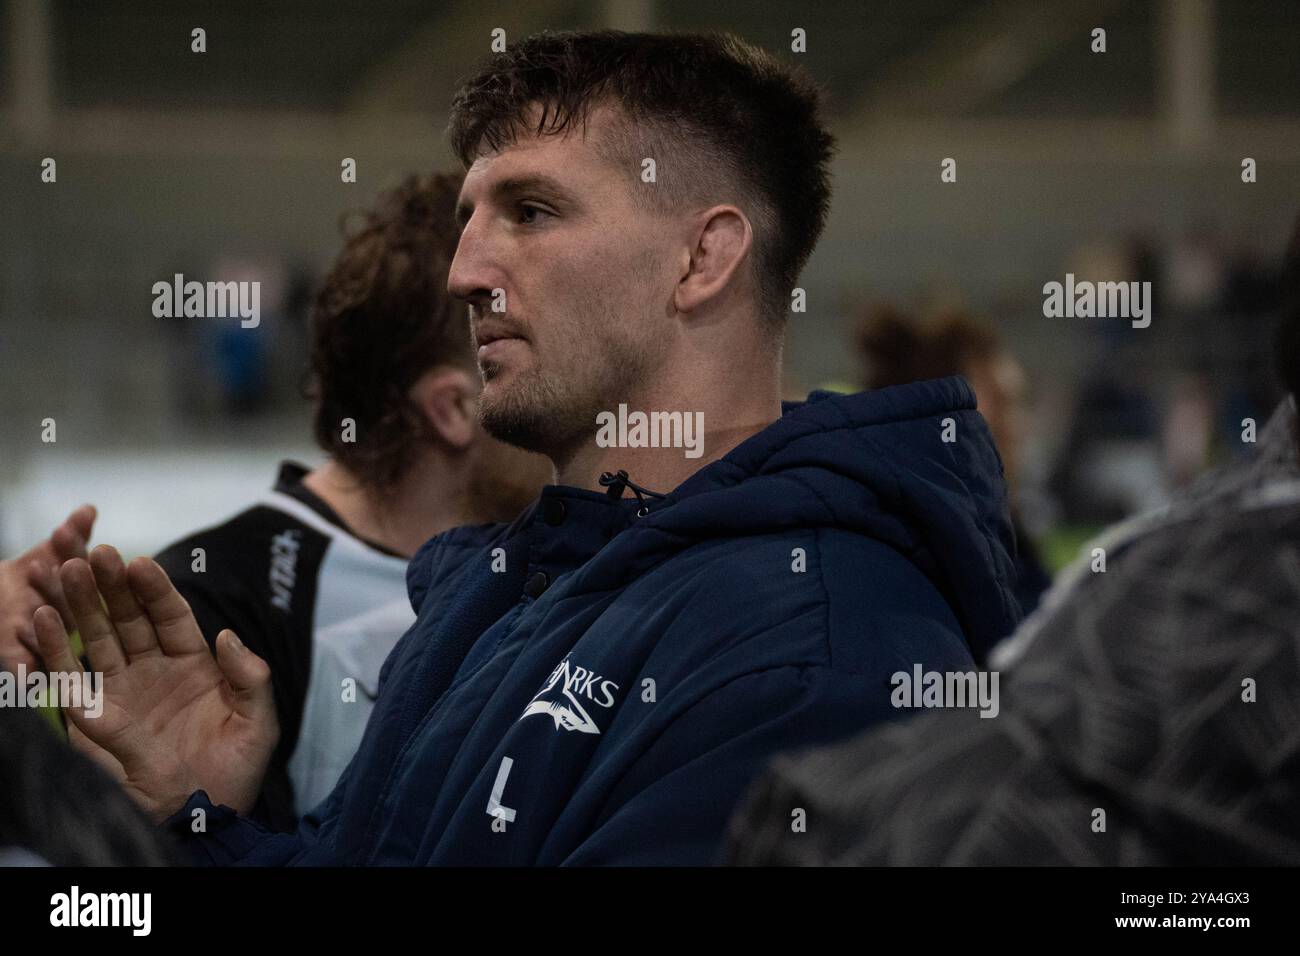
875, 463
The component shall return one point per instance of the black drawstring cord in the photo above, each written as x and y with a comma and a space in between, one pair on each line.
616, 482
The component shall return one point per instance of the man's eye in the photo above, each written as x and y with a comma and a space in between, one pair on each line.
529, 213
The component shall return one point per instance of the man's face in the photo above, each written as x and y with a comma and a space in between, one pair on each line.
586, 277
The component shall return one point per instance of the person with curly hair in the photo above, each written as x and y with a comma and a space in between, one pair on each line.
313, 575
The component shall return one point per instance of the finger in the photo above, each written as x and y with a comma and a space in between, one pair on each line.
132, 624
69, 539
97, 634
45, 580
249, 677
83, 519
16, 656
26, 635
173, 621
52, 639
66, 541
110, 736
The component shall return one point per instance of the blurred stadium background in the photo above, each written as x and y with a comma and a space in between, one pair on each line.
221, 165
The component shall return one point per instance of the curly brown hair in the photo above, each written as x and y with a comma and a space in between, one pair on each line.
380, 319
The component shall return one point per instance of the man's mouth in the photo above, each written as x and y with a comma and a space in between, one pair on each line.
494, 340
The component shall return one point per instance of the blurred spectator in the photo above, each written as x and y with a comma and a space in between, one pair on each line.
896, 349
241, 356
1189, 427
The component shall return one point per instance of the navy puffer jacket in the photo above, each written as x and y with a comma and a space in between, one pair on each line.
590, 685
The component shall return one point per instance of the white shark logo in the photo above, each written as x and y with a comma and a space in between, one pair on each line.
570, 717
567, 711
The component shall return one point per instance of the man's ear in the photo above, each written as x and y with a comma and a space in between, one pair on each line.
720, 243
446, 396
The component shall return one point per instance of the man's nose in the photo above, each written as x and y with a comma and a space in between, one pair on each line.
474, 273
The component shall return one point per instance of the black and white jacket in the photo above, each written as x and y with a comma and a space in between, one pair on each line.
322, 606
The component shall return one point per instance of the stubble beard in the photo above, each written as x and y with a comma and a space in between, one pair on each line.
555, 414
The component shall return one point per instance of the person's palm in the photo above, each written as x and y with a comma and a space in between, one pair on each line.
174, 718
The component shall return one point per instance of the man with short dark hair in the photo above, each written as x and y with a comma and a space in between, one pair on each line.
598, 681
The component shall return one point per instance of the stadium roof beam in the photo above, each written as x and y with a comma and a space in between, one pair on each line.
129, 131
1187, 98
634, 16
32, 99
400, 81
982, 54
